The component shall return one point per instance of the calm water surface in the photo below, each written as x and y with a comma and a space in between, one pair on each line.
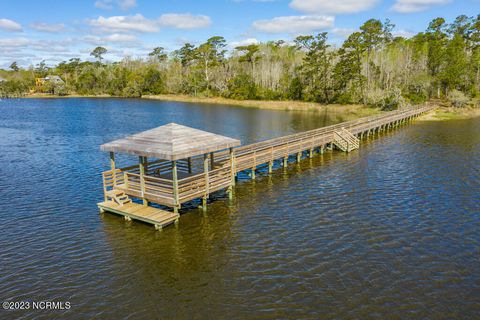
390, 231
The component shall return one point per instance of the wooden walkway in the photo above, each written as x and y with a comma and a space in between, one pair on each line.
152, 181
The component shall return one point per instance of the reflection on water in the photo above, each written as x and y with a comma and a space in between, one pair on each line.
389, 231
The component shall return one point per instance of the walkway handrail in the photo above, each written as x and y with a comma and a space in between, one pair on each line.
274, 142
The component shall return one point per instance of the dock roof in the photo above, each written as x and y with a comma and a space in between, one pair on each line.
171, 142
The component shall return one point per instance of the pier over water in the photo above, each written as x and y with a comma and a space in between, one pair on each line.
178, 164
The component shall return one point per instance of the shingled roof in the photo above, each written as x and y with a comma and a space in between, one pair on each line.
170, 142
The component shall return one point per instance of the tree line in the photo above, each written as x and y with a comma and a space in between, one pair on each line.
372, 67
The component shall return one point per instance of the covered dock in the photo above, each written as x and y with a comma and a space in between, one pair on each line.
165, 173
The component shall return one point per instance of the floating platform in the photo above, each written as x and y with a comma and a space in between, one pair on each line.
159, 218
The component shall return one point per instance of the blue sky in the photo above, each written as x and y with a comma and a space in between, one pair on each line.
31, 31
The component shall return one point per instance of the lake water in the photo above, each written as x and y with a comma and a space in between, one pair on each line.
390, 231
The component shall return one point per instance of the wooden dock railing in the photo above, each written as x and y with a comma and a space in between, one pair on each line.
248, 157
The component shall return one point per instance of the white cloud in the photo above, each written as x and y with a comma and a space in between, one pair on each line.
135, 23
48, 27
403, 33
294, 24
122, 4
116, 37
244, 42
408, 6
14, 42
342, 32
10, 25
138, 23
112, 38
127, 4
332, 6
43, 45
184, 21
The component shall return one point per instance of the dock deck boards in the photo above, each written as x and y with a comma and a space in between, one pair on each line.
159, 218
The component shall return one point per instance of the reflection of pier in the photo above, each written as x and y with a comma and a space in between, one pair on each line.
191, 164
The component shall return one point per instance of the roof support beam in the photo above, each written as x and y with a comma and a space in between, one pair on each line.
112, 167
175, 186
141, 166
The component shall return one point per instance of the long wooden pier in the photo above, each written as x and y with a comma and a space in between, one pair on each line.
191, 164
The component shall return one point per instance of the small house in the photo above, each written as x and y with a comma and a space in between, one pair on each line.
55, 80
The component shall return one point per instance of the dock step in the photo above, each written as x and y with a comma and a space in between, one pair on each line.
157, 217
345, 140
118, 196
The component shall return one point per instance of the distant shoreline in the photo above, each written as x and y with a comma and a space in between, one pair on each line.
441, 113
286, 105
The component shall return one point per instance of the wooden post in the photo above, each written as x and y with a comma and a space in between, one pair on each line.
299, 156
112, 167
205, 170
270, 166
232, 174
232, 165
125, 179
141, 165
285, 161
322, 149
254, 164
212, 161
311, 153
175, 186
189, 160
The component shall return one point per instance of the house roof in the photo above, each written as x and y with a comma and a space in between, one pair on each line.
53, 78
171, 142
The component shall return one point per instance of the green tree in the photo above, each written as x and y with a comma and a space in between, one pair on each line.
454, 74
317, 67
41, 69
250, 55
349, 81
159, 54
211, 53
98, 53
242, 87
374, 36
153, 82
437, 40
186, 54
14, 66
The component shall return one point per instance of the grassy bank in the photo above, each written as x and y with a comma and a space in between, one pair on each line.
449, 113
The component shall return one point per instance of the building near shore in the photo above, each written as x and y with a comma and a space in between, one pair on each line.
55, 80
